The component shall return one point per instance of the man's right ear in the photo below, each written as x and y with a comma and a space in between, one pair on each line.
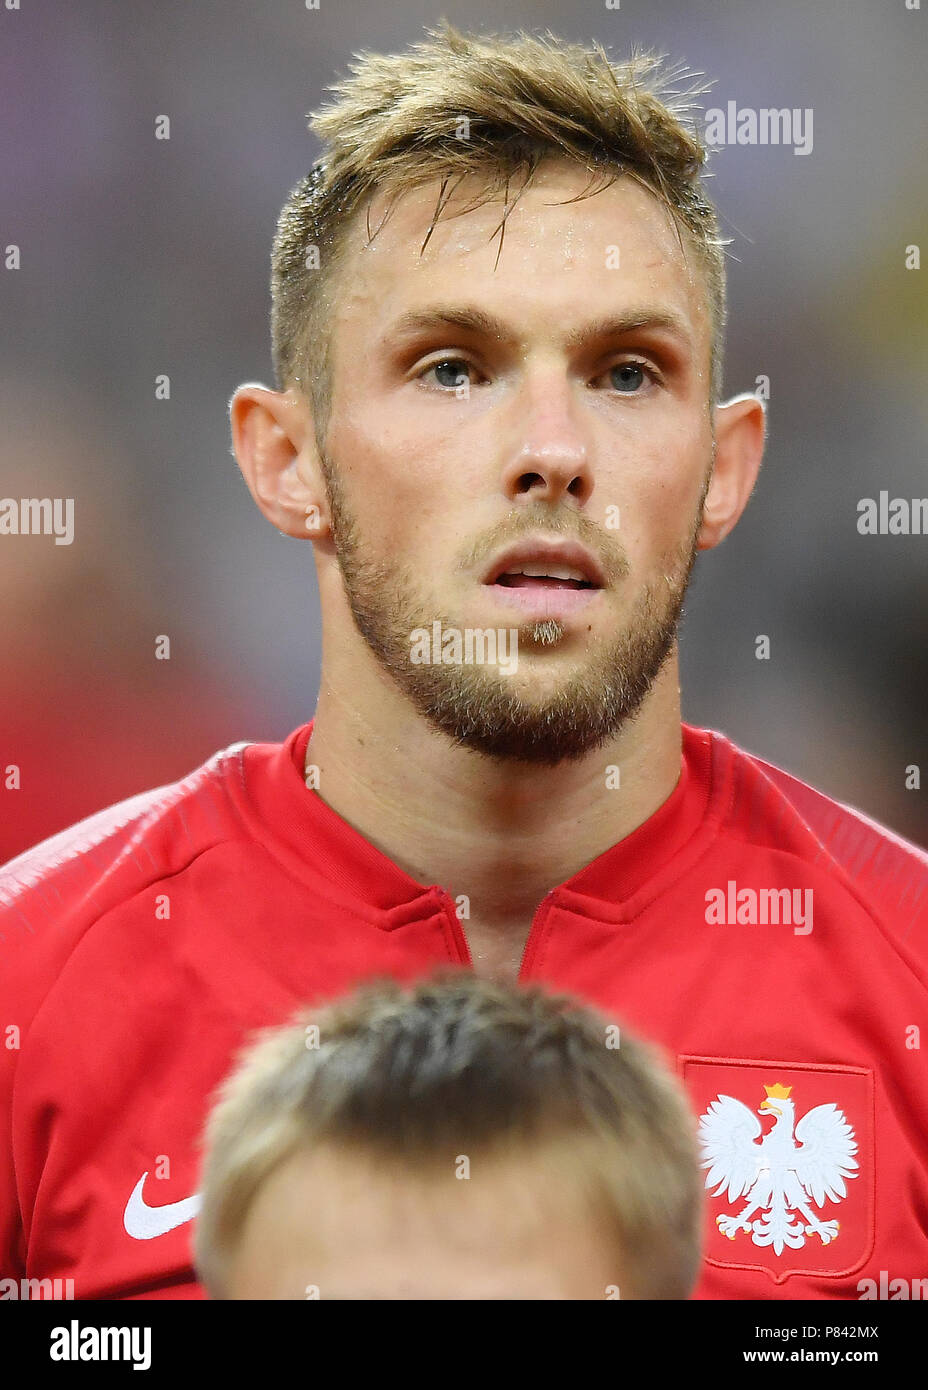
275, 445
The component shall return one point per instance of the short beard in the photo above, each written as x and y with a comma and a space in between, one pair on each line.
475, 706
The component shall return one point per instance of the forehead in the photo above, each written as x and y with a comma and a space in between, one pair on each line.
373, 1202
360, 1230
562, 253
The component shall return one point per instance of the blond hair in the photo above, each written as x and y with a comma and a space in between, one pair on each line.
458, 1063
397, 122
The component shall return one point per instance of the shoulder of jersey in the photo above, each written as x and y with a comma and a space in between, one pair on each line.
136, 840
888, 872
846, 831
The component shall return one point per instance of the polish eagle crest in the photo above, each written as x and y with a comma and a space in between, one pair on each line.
782, 1175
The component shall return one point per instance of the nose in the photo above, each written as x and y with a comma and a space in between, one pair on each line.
550, 458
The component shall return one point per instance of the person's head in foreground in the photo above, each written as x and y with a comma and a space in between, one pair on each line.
455, 1140
498, 304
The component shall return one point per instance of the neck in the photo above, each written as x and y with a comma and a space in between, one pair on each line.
503, 833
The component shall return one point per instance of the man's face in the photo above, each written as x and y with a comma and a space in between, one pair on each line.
559, 398
336, 1225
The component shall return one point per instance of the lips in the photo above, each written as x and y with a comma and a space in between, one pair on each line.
545, 577
545, 564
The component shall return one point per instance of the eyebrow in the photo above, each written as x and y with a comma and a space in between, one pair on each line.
472, 320
632, 321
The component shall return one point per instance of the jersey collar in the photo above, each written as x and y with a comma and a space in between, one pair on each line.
313, 839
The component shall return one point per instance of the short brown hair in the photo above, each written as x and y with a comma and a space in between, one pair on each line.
395, 125
461, 1063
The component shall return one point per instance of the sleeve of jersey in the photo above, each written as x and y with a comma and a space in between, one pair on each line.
22, 988
40, 923
12, 1255
50, 897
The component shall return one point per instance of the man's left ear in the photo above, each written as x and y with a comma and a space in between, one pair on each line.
740, 427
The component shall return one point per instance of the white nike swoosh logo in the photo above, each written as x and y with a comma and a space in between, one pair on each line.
143, 1222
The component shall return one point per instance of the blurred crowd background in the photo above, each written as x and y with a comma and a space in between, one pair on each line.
142, 257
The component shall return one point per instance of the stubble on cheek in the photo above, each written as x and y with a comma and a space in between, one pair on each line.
484, 709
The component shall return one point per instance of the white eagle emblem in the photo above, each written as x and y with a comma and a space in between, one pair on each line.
777, 1176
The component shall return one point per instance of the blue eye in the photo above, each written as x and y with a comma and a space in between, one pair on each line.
627, 377
450, 373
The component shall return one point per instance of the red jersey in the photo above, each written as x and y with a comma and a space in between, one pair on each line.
772, 942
